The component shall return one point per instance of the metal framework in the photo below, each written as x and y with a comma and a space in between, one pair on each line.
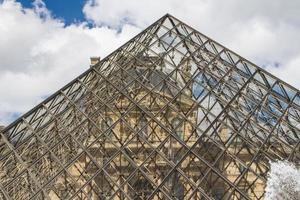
171, 114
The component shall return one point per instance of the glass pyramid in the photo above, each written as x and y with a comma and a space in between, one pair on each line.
171, 114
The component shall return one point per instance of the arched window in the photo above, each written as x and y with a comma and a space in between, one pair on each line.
177, 125
105, 124
142, 189
178, 190
218, 193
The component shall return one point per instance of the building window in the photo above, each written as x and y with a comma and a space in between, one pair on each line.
143, 126
105, 124
218, 194
241, 168
177, 125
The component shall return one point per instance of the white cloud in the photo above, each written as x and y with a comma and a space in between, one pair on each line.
265, 32
289, 72
39, 54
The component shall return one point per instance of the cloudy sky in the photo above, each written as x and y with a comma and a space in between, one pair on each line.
45, 44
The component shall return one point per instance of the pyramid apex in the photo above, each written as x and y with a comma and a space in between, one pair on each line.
167, 15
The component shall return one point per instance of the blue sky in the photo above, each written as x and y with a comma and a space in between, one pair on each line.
68, 10
46, 43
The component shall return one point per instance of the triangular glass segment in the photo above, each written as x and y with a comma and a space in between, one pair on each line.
171, 114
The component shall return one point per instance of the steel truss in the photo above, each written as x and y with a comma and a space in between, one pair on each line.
171, 114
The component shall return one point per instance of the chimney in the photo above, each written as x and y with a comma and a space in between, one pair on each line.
94, 60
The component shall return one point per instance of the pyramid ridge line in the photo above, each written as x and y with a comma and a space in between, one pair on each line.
162, 18
241, 57
79, 76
